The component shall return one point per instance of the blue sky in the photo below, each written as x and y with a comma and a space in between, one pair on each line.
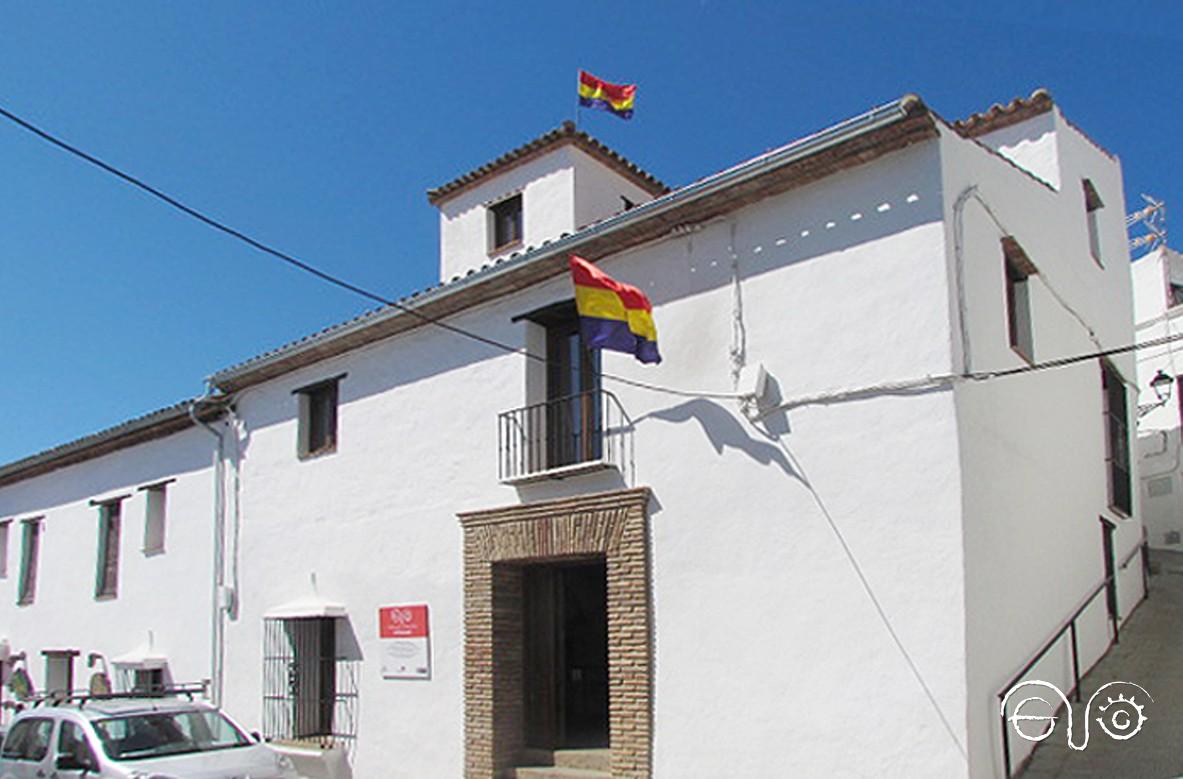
317, 127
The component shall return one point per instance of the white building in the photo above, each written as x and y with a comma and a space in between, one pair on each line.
1158, 295
697, 585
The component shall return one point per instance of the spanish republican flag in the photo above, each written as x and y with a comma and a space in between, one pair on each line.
613, 315
597, 93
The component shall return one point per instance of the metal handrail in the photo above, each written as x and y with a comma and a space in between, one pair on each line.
1067, 626
566, 432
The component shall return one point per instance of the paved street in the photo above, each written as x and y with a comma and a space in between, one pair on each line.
1150, 654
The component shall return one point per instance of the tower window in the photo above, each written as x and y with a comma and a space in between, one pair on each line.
506, 223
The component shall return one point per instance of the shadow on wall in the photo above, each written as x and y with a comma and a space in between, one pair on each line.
724, 431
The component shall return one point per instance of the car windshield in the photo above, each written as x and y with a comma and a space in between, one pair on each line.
159, 733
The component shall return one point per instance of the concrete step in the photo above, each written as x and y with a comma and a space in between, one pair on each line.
591, 759
558, 772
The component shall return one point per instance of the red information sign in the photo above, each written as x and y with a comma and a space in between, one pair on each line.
402, 621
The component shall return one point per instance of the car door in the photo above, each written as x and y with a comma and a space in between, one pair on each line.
26, 753
73, 756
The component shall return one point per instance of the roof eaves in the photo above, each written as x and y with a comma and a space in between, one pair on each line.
566, 133
1000, 116
235, 377
155, 424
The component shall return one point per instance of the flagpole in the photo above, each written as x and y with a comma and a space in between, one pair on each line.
577, 104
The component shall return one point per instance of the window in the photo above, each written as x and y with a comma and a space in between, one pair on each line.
1019, 269
318, 418
1174, 294
73, 749
28, 740
156, 499
1092, 205
4, 526
148, 680
30, 545
505, 223
309, 693
1117, 438
107, 569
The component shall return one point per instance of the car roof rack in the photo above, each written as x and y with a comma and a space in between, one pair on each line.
83, 697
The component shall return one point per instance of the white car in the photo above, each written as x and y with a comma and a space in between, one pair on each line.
135, 738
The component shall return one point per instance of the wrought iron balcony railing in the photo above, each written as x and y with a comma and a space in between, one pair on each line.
564, 436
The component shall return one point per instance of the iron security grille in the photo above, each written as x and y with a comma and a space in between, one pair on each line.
309, 693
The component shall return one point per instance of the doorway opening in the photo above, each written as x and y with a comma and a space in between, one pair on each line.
565, 654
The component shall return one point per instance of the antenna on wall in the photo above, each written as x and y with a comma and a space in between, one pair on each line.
1153, 219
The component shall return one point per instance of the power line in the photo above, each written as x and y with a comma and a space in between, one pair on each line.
320, 274
438, 322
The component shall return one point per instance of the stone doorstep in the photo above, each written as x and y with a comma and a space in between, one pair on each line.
589, 759
558, 772
564, 764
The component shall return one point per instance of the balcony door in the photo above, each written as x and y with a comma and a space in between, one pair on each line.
572, 392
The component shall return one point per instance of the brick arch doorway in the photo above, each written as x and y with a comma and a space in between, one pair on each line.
500, 547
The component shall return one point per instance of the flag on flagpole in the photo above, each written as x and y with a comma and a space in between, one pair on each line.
613, 315
615, 98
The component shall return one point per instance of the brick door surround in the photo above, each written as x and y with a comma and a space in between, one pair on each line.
496, 543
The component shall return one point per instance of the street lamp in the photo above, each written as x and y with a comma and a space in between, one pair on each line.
1162, 384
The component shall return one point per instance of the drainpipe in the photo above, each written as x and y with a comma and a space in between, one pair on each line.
217, 607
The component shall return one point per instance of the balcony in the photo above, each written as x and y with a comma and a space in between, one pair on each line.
581, 433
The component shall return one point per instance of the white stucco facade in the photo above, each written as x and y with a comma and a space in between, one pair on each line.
875, 551
162, 608
1159, 445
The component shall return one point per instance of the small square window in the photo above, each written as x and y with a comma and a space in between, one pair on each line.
1174, 294
318, 419
505, 223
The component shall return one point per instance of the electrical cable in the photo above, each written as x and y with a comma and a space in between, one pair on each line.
322, 275
427, 319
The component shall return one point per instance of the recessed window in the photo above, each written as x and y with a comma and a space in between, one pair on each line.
149, 681
155, 503
505, 223
1093, 206
1174, 294
317, 433
4, 526
1117, 438
30, 548
107, 566
1019, 269
307, 686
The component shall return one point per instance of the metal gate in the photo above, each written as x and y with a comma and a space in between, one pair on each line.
309, 692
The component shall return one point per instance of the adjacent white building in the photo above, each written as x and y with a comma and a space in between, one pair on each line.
452, 556
1158, 305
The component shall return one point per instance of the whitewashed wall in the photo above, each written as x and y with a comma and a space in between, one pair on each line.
547, 184
1033, 445
598, 189
766, 641
562, 190
169, 594
1160, 447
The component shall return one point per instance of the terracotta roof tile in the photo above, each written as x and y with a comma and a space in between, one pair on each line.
1000, 116
1017, 110
566, 133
